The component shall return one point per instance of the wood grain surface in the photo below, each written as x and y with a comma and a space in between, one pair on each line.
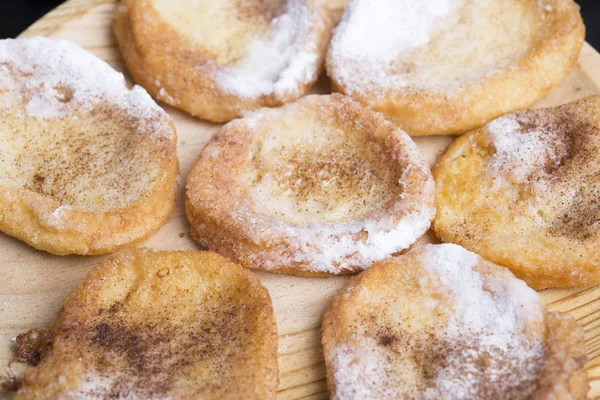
34, 284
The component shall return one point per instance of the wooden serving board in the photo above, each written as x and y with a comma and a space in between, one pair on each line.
34, 284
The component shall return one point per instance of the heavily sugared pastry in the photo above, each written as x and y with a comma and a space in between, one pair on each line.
322, 186
218, 58
524, 192
157, 325
442, 323
443, 67
87, 165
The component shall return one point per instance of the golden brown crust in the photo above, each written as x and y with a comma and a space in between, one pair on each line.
563, 375
89, 166
319, 187
149, 324
31, 217
84, 233
532, 206
387, 325
176, 69
436, 111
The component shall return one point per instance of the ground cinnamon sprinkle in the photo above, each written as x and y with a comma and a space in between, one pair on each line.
483, 339
554, 155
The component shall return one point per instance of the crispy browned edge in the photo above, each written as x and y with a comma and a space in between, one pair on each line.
105, 232
218, 231
331, 317
153, 50
426, 113
267, 329
564, 337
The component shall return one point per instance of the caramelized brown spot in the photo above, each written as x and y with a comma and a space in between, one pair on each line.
37, 183
11, 383
361, 236
387, 340
64, 94
33, 345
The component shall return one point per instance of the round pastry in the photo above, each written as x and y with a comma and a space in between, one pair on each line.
523, 192
447, 66
218, 58
322, 186
146, 325
442, 323
87, 166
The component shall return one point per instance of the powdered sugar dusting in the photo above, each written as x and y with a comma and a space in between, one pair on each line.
524, 147
358, 371
74, 137
286, 57
339, 199
323, 185
499, 313
484, 339
54, 78
494, 313
332, 247
399, 26
381, 47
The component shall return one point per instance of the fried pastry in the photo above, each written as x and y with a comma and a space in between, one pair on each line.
523, 192
447, 66
87, 165
150, 325
442, 323
218, 58
322, 186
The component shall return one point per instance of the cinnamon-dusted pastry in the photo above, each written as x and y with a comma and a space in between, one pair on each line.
218, 58
523, 192
443, 67
322, 186
87, 165
156, 325
442, 323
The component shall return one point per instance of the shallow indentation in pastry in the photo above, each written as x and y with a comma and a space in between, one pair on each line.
310, 173
94, 165
320, 186
86, 165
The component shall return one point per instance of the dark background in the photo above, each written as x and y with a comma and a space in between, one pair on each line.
16, 15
